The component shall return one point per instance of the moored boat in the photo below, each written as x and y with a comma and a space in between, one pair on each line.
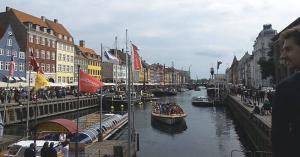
169, 113
201, 101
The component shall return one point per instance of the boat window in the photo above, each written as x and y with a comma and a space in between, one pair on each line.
13, 150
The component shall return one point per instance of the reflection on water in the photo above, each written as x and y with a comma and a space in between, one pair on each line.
206, 131
169, 129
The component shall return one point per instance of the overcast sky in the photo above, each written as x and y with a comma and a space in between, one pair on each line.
187, 32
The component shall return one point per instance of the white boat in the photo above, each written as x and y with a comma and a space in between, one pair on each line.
201, 101
17, 149
168, 113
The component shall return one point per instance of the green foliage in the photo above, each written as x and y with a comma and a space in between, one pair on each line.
267, 67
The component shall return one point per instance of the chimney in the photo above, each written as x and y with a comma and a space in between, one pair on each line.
8, 9
43, 18
55, 21
81, 43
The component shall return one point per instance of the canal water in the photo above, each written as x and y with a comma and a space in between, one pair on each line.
206, 132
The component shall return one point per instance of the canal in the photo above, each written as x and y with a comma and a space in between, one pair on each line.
207, 131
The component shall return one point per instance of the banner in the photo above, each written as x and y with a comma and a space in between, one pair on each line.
88, 83
136, 58
40, 81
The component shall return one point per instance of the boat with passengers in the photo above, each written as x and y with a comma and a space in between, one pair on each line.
168, 113
201, 101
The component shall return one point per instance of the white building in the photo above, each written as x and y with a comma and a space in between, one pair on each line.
261, 48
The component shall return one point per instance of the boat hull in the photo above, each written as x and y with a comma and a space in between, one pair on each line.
201, 103
168, 119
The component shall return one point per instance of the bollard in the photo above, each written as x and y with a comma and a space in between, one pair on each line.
118, 151
137, 141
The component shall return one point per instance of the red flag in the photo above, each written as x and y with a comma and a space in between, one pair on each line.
136, 58
34, 64
88, 83
11, 66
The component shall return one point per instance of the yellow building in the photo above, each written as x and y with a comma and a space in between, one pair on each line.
64, 53
94, 60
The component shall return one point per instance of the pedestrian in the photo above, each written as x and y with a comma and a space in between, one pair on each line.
65, 148
44, 149
29, 152
51, 152
286, 108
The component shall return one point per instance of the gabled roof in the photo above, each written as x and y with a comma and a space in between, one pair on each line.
24, 17
58, 28
86, 50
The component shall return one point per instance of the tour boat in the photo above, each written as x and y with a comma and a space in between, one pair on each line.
201, 101
169, 113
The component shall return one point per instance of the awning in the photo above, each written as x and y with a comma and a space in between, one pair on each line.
16, 78
57, 125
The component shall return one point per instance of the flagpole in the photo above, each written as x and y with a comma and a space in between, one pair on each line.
101, 92
77, 113
116, 52
129, 99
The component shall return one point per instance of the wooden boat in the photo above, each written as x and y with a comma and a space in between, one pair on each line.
169, 113
201, 101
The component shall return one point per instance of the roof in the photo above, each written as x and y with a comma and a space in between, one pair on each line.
84, 49
2, 31
58, 28
294, 23
58, 125
24, 17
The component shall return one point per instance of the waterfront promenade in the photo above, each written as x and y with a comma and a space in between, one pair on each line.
266, 119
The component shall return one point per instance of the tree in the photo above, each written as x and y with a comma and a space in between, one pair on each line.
267, 67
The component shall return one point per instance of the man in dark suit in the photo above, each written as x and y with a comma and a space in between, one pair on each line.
286, 106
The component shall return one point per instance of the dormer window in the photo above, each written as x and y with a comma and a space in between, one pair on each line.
65, 38
70, 39
59, 36
37, 27
45, 30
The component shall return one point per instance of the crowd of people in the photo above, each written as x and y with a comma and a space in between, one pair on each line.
168, 108
48, 150
260, 100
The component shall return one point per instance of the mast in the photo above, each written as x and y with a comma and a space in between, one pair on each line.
116, 54
129, 98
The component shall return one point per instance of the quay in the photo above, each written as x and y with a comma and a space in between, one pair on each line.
17, 112
257, 127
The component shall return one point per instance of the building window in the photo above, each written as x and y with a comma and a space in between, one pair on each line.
37, 53
63, 68
9, 42
59, 68
53, 56
7, 52
42, 54
64, 57
48, 67
63, 79
71, 79
59, 36
16, 67
48, 55
70, 39
14, 53
21, 67
1, 65
64, 47
71, 59
43, 66
1, 51
53, 68
68, 58
21, 55
65, 38
7, 65
53, 44
59, 79
71, 69
67, 68
59, 56
43, 41
31, 38
48, 42
37, 39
